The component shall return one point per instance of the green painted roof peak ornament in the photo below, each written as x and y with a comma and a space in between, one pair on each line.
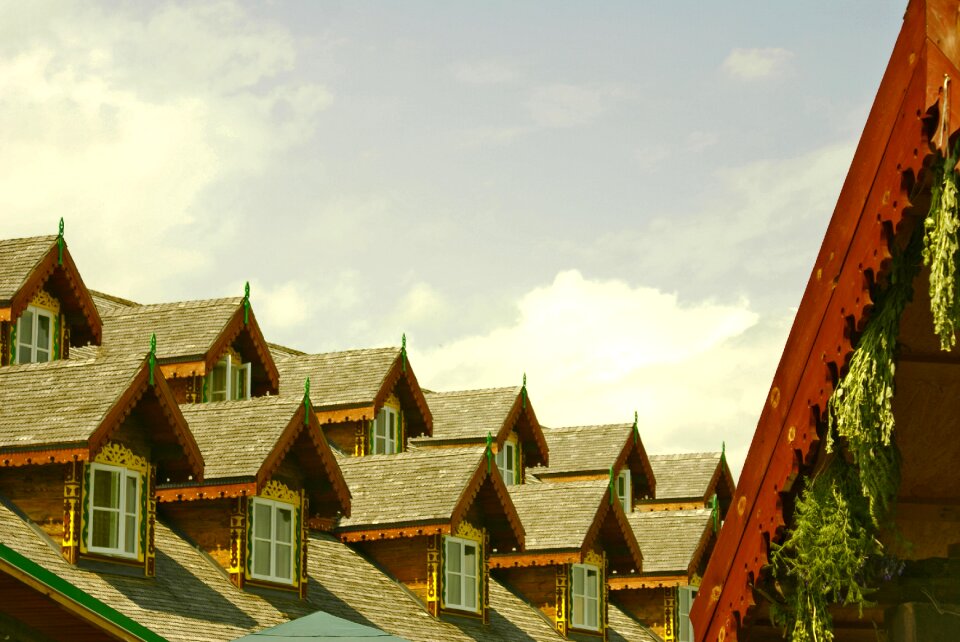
489, 451
60, 243
306, 401
636, 429
612, 487
246, 303
153, 355
523, 391
715, 513
723, 452
403, 352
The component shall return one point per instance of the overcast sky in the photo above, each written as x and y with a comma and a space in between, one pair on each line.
621, 199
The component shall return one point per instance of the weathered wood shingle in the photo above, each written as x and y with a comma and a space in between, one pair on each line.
584, 449
470, 414
351, 377
670, 538
557, 516
18, 258
684, 476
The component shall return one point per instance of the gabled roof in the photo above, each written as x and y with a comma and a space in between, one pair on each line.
107, 303
31, 264
245, 441
191, 335
353, 384
66, 410
886, 177
427, 491
694, 476
468, 416
572, 517
671, 540
592, 450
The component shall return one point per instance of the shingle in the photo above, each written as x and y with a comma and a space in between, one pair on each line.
428, 481
352, 377
235, 437
186, 329
60, 402
108, 303
470, 413
557, 515
684, 476
669, 538
624, 628
18, 257
584, 448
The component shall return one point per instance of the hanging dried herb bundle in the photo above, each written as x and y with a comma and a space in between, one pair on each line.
822, 560
940, 250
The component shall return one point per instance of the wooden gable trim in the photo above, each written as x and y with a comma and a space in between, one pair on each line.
629, 447
522, 560
521, 408
128, 401
401, 369
623, 582
705, 537
82, 301
344, 415
44, 455
593, 533
183, 369
489, 471
368, 534
722, 473
889, 159
286, 441
181, 493
229, 334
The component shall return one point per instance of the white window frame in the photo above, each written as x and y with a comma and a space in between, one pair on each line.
685, 595
625, 497
385, 427
120, 550
275, 507
32, 343
463, 577
578, 617
508, 463
231, 380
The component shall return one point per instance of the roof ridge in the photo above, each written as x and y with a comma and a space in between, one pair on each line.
144, 307
474, 390
52, 237
114, 298
352, 350
702, 454
616, 425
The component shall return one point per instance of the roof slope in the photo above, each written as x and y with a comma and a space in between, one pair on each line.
669, 539
338, 378
18, 258
320, 626
557, 516
189, 599
624, 628
684, 476
429, 482
109, 303
470, 413
587, 449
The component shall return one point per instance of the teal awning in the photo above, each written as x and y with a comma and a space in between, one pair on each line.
320, 626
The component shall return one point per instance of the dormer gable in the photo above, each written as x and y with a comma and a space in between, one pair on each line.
210, 350
368, 401
45, 307
506, 415
691, 480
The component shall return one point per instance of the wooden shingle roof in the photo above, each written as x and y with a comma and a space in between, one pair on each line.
690, 475
18, 258
671, 540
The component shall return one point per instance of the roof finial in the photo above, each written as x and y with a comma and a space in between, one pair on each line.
523, 391
153, 355
403, 352
715, 512
636, 429
489, 451
610, 483
60, 242
306, 402
246, 303
723, 452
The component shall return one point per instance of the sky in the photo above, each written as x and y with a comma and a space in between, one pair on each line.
622, 200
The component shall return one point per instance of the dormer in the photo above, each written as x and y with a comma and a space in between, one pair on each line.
505, 415
687, 481
82, 445
612, 451
564, 571
431, 519
44, 306
270, 475
209, 350
368, 401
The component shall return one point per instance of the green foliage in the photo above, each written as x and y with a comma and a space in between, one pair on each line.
940, 250
822, 560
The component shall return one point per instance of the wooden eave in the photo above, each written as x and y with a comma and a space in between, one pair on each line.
231, 331
641, 581
51, 454
634, 453
401, 380
523, 418
419, 528
539, 558
214, 489
126, 403
512, 536
721, 475
607, 509
76, 300
890, 158
343, 414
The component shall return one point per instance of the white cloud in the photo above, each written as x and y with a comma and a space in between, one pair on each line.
484, 72
595, 351
754, 64
564, 105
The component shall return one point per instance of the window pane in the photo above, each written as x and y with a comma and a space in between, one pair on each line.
380, 426
578, 609
577, 580
470, 592
285, 525
469, 560
262, 521
43, 337
453, 557
106, 488
25, 329
591, 613
454, 589
105, 529
131, 495
218, 382
391, 426
283, 560
130, 534
261, 557
591, 583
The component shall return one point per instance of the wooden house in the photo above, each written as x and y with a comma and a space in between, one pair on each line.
504, 415
368, 401
844, 524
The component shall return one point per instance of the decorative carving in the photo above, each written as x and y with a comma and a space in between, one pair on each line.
563, 616
304, 541
669, 614
360, 442
279, 491
150, 520
46, 301
84, 508
695, 580
594, 558
485, 589
433, 575
238, 534
70, 545
119, 455
468, 531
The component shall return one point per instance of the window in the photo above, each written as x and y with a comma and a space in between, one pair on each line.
34, 336
684, 603
229, 381
585, 591
624, 489
114, 510
461, 565
507, 462
272, 541
385, 432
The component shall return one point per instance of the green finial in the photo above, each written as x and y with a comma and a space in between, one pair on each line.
60, 242
715, 513
523, 391
636, 429
612, 487
489, 452
246, 303
723, 451
403, 352
306, 402
153, 355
